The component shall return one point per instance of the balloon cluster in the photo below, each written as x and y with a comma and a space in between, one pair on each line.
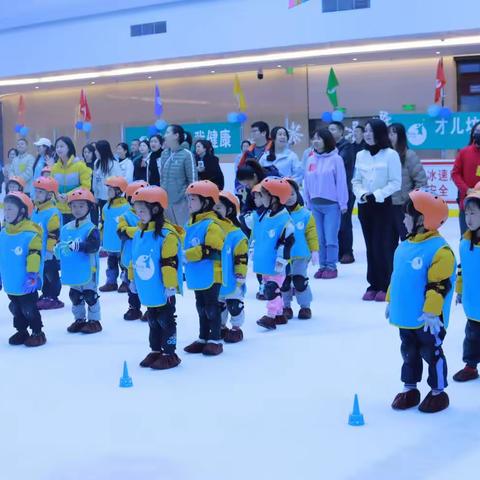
335, 116
83, 126
436, 111
21, 129
159, 126
237, 117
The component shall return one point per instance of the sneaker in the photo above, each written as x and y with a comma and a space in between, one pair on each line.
19, 338
234, 335
281, 320
132, 314
305, 313
76, 326
212, 349
36, 340
150, 359
319, 272
434, 403
195, 347
43, 303
123, 288
466, 374
329, 273
166, 361
92, 326
369, 295
405, 400
380, 296
52, 304
109, 287
347, 258
288, 312
267, 322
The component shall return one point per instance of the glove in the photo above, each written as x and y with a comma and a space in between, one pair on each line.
280, 265
74, 245
31, 282
387, 311
458, 299
432, 323
315, 258
62, 250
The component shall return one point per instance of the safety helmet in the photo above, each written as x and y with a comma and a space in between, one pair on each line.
21, 199
134, 186
433, 208
205, 189
232, 199
81, 194
48, 184
277, 187
151, 194
117, 182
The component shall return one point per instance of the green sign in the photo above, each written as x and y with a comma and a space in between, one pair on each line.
426, 133
225, 137
409, 107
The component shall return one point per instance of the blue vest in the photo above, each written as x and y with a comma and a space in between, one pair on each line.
228, 261
409, 280
266, 233
300, 219
126, 255
199, 275
111, 214
42, 217
13, 260
470, 261
77, 267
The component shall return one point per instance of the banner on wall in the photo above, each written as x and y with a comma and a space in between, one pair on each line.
439, 179
225, 137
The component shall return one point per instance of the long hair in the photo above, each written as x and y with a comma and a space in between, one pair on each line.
231, 212
106, 156
91, 149
249, 170
158, 218
380, 133
271, 156
71, 152
125, 147
472, 132
402, 145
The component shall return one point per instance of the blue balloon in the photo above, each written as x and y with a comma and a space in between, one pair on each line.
445, 113
434, 110
327, 117
152, 130
337, 116
87, 127
242, 117
232, 117
161, 124
18, 127
24, 131
79, 125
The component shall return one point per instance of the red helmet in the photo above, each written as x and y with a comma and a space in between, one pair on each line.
134, 186
81, 194
433, 208
23, 198
48, 184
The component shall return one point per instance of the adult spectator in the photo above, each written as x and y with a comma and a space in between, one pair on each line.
177, 171
326, 195
153, 176
88, 155
260, 134
22, 165
208, 165
70, 172
378, 175
43, 156
358, 140
11, 154
140, 164
466, 171
124, 162
134, 149
244, 146
413, 176
281, 157
345, 150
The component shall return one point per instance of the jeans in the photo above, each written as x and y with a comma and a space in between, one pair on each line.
82, 295
113, 268
345, 235
296, 284
327, 217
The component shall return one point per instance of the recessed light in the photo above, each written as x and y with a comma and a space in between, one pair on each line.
279, 66
212, 71
149, 77
438, 53
355, 59
92, 83
37, 87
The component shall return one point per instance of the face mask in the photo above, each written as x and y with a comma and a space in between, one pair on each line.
476, 138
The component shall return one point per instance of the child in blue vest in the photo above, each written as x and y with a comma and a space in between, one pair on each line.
21, 268
304, 250
273, 235
115, 207
156, 268
126, 229
49, 217
234, 265
203, 244
78, 253
419, 297
467, 287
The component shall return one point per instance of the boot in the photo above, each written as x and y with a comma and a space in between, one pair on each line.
369, 296
166, 361
329, 274
92, 326
281, 320
347, 258
405, 400
195, 347
36, 340
267, 322
123, 288
304, 313
466, 374
150, 359
55, 304
42, 303
288, 312
224, 332
145, 317
319, 272
234, 335
109, 287
380, 296
76, 326
132, 314
434, 403
19, 338
212, 349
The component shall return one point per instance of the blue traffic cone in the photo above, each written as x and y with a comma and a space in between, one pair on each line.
356, 418
125, 379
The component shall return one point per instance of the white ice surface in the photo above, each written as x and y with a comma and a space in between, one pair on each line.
272, 407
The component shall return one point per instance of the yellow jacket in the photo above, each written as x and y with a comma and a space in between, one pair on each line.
36, 244
124, 227
240, 254
214, 239
53, 226
441, 269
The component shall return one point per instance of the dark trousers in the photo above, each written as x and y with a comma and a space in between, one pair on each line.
462, 222
376, 220
398, 225
96, 212
209, 312
25, 312
51, 279
134, 301
345, 234
163, 328
418, 345
471, 344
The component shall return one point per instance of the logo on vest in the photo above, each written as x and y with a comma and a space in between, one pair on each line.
144, 267
195, 241
300, 226
271, 233
18, 251
417, 263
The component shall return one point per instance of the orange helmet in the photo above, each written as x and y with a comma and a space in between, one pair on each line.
48, 184
134, 186
277, 187
18, 180
205, 189
433, 208
81, 194
117, 182
257, 188
232, 199
151, 194
24, 200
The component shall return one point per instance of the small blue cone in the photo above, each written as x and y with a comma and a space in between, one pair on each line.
356, 418
125, 379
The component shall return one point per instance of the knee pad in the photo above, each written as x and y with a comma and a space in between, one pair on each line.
76, 296
287, 284
91, 297
272, 290
300, 283
235, 307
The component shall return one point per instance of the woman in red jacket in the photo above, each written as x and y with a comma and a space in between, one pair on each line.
466, 171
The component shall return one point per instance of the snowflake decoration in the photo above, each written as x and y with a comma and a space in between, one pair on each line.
295, 132
385, 116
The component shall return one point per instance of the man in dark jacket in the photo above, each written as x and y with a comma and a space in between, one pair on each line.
346, 151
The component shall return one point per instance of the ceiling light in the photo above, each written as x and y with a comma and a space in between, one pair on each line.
212, 71
279, 66
149, 77
92, 83
37, 87
438, 53
355, 59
